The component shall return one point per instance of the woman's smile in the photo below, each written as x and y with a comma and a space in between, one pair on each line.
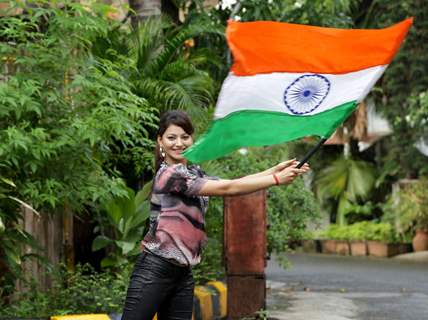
174, 142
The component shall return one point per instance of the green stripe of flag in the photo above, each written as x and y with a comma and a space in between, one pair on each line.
260, 128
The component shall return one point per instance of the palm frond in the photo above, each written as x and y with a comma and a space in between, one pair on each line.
199, 87
110, 45
332, 180
173, 44
146, 43
346, 176
346, 181
150, 89
176, 97
179, 85
206, 57
361, 179
165, 95
177, 70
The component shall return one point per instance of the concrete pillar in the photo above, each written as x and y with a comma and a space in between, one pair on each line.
245, 253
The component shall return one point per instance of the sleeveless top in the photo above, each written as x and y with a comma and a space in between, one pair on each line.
177, 218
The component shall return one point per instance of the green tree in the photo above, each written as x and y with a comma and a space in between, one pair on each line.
63, 112
316, 12
400, 94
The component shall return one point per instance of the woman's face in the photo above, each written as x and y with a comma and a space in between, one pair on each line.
173, 142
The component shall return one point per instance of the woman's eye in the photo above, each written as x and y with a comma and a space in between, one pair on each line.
171, 138
185, 137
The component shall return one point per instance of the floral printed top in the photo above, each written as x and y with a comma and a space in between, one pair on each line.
177, 220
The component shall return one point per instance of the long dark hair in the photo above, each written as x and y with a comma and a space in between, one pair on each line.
175, 117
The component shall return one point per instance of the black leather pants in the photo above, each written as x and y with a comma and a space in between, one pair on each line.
159, 286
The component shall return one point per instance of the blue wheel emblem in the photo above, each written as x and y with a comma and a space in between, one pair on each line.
306, 93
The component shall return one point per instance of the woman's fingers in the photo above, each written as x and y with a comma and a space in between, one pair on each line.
289, 162
287, 170
305, 168
288, 174
285, 164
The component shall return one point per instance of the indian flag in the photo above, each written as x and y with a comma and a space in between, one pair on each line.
289, 81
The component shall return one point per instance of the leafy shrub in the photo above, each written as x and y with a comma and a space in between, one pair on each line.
308, 235
80, 291
126, 219
365, 230
383, 232
357, 231
335, 232
412, 206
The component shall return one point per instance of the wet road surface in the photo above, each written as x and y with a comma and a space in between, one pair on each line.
330, 287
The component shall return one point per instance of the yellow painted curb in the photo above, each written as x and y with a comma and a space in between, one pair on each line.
82, 317
222, 289
204, 297
85, 317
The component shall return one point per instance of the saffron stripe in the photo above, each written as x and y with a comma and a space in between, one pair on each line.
267, 46
259, 128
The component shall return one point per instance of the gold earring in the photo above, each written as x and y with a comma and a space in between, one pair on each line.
162, 152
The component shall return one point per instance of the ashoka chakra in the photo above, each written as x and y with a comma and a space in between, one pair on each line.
306, 93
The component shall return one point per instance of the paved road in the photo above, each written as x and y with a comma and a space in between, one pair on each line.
329, 287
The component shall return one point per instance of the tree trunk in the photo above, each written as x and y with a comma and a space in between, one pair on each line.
169, 8
142, 9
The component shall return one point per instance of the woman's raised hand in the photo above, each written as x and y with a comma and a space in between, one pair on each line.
289, 171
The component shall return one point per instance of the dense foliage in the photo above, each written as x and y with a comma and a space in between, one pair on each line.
122, 227
62, 111
347, 181
361, 231
72, 292
411, 207
64, 115
401, 91
315, 12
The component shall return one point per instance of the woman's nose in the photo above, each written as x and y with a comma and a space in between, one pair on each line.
178, 142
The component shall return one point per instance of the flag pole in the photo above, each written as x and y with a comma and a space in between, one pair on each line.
311, 152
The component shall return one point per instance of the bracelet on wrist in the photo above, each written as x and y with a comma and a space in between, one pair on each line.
276, 179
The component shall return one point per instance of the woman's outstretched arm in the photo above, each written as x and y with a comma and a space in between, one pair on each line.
252, 183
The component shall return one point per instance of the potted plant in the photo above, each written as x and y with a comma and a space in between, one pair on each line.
335, 240
342, 243
356, 237
382, 240
412, 209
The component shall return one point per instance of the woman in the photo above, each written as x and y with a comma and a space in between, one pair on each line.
162, 279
